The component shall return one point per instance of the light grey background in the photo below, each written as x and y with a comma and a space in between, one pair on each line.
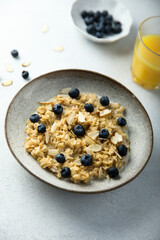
30, 209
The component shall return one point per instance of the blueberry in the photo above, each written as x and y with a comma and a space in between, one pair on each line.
89, 107
60, 158
14, 53
109, 18
79, 130
108, 29
121, 121
113, 172
100, 27
91, 29
84, 14
122, 150
117, 23
105, 13
74, 93
107, 22
90, 13
65, 172
41, 128
89, 20
57, 109
99, 34
34, 118
86, 160
104, 133
104, 101
101, 20
25, 74
116, 29
97, 15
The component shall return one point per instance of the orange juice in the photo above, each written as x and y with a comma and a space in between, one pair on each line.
146, 62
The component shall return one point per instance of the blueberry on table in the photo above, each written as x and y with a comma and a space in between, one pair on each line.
104, 133
116, 29
105, 13
84, 14
104, 101
122, 150
91, 29
99, 34
14, 53
60, 158
65, 172
86, 160
108, 29
57, 109
89, 20
41, 128
121, 121
74, 93
25, 74
79, 130
34, 118
88, 107
113, 172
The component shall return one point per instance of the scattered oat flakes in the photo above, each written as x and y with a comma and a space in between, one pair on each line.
93, 134
59, 49
7, 83
8, 67
45, 28
26, 64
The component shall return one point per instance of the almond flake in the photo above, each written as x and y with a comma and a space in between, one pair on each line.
81, 117
119, 137
89, 140
45, 103
93, 134
114, 140
59, 49
117, 154
78, 162
9, 67
100, 172
52, 152
26, 64
88, 151
47, 137
45, 28
70, 118
95, 147
105, 112
7, 83
54, 169
54, 127
64, 90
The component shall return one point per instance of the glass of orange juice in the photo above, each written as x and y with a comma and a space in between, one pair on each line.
146, 58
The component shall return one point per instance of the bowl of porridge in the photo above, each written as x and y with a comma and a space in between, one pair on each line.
79, 131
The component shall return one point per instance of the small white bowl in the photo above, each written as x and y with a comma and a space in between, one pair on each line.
115, 8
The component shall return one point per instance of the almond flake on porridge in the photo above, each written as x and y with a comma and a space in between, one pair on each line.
78, 142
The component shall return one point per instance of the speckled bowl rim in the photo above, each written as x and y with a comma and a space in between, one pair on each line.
99, 74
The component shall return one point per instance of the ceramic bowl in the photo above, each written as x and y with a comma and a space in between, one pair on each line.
48, 85
119, 11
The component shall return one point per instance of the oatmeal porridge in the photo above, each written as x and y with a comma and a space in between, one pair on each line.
79, 136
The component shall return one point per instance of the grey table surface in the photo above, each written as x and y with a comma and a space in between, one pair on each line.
30, 209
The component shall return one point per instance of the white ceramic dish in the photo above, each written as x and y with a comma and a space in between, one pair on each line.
119, 11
